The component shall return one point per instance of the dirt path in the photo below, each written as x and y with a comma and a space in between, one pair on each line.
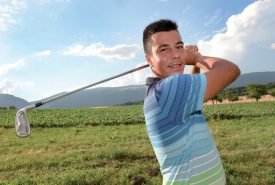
244, 99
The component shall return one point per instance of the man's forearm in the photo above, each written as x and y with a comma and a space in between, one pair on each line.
207, 63
194, 70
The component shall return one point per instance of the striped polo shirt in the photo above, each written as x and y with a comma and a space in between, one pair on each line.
178, 131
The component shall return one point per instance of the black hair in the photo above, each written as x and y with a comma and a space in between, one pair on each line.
154, 27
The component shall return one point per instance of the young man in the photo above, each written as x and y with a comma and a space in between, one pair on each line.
173, 106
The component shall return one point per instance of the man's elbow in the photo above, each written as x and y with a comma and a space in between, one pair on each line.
235, 72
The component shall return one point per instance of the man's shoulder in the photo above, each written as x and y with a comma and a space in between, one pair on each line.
172, 82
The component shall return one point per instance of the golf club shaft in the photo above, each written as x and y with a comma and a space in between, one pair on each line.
87, 86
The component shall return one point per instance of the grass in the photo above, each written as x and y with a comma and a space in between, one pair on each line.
96, 148
247, 150
84, 155
123, 155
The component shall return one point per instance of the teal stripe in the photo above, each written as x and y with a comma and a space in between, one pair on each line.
202, 91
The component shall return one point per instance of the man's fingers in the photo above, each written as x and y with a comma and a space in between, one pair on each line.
192, 47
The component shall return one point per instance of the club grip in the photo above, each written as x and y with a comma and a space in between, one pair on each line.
39, 104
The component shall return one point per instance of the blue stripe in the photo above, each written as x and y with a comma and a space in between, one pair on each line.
158, 127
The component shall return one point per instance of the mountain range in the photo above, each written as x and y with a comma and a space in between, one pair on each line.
108, 96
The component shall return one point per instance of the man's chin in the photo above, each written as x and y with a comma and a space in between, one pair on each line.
180, 71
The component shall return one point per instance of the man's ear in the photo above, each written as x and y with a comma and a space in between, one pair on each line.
149, 60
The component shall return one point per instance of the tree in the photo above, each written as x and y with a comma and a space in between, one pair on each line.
272, 92
12, 107
241, 91
270, 85
231, 95
217, 98
256, 91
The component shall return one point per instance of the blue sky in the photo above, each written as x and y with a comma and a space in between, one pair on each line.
52, 46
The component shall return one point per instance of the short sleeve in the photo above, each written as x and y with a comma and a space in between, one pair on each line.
181, 94
202, 91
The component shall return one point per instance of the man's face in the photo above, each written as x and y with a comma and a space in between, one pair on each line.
167, 53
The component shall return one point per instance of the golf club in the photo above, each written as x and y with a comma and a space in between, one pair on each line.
22, 125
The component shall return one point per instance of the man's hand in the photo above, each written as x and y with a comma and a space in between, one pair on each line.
192, 53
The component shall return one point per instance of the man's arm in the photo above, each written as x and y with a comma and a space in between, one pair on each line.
194, 70
219, 72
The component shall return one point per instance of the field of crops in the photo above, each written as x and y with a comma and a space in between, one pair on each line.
102, 146
124, 115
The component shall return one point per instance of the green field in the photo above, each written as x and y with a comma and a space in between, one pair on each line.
111, 146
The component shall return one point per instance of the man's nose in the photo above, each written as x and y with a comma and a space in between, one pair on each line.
176, 54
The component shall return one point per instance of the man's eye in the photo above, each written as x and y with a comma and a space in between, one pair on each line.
180, 47
162, 49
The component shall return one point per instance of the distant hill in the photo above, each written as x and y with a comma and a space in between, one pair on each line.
256, 77
7, 100
108, 96
103, 96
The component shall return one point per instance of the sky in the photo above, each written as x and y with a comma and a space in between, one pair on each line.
52, 46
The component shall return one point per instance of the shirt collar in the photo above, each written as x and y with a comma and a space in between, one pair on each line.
152, 80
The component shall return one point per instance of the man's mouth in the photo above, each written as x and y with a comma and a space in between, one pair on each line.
175, 66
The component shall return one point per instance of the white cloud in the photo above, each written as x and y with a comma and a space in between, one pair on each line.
6, 86
4, 68
43, 2
246, 34
273, 45
119, 52
44, 53
9, 11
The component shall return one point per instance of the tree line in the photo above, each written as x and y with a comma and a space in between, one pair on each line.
253, 91
8, 108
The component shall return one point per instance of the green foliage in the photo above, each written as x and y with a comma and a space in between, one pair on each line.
10, 108
270, 85
256, 91
272, 92
240, 91
231, 95
125, 115
217, 98
239, 110
77, 117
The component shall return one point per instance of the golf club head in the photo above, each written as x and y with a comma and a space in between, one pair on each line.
22, 125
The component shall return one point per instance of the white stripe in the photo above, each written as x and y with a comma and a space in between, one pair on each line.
186, 179
190, 162
208, 176
194, 167
200, 157
220, 181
